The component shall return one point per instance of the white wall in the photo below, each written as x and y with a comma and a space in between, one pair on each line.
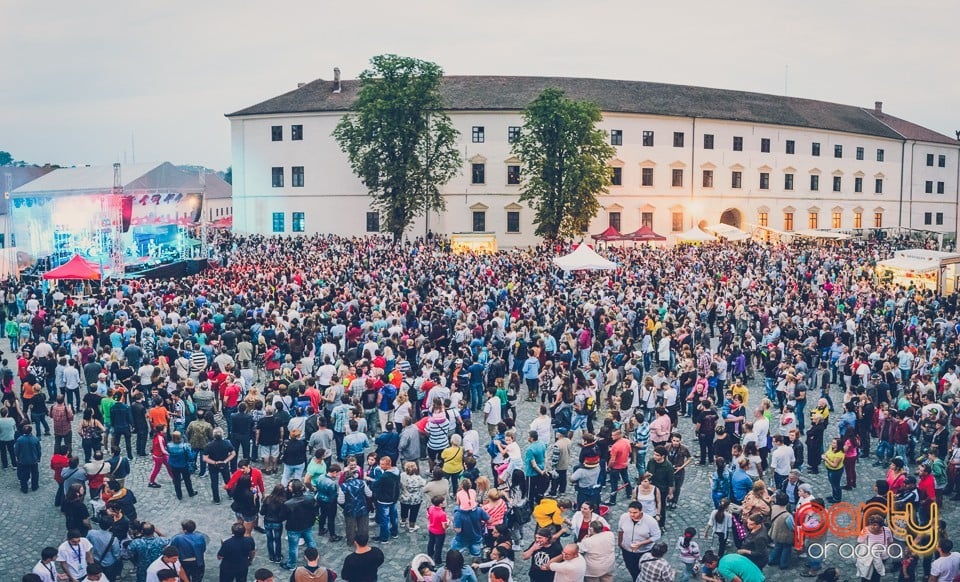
335, 201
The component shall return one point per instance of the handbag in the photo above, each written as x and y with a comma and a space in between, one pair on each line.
739, 530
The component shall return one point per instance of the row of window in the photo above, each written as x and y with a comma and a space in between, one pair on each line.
929, 216
813, 220
479, 221
941, 160
478, 174
928, 187
297, 224
478, 134
790, 146
276, 133
296, 177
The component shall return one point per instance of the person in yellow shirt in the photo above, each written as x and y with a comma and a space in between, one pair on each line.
833, 459
739, 388
549, 513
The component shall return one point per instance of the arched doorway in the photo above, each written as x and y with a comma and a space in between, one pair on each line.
731, 217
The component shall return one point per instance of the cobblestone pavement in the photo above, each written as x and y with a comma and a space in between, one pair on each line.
30, 521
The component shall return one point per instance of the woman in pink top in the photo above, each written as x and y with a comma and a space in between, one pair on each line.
496, 508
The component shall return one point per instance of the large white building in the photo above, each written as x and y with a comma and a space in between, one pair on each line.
685, 156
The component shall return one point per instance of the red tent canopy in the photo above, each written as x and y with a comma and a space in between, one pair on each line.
611, 234
76, 269
644, 234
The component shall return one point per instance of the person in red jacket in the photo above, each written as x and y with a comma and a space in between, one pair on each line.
256, 484
927, 488
58, 462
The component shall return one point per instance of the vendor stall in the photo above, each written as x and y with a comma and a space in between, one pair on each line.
694, 236
727, 232
922, 269
584, 258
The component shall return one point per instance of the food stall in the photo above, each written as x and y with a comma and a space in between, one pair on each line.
922, 268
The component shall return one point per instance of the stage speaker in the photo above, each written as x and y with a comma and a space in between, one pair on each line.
126, 212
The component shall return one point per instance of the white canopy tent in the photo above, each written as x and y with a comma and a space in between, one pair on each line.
584, 258
694, 235
731, 233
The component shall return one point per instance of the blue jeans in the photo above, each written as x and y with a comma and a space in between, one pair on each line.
291, 472
274, 539
476, 396
473, 547
900, 451
387, 518
834, 478
780, 555
40, 418
884, 451
768, 384
293, 537
801, 405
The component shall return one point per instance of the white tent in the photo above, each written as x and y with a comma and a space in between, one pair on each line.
728, 232
695, 235
583, 258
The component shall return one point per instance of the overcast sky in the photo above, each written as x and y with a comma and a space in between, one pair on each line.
78, 79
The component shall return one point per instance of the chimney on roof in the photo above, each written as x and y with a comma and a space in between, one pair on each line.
300, 85
336, 79
878, 106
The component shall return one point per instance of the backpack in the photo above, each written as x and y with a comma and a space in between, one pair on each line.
563, 418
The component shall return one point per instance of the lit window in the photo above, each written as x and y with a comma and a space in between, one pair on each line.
676, 220
836, 220
857, 220
877, 220
278, 222
762, 219
298, 219
788, 221
813, 220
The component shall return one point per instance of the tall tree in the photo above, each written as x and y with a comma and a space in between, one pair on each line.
400, 142
6, 159
564, 158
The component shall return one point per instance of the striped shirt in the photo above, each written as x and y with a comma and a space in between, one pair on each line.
438, 434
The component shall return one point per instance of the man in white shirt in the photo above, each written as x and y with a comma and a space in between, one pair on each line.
569, 566
598, 551
781, 460
946, 567
46, 568
491, 413
761, 428
168, 560
636, 534
542, 424
74, 555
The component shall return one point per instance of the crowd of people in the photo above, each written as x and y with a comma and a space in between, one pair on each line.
359, 390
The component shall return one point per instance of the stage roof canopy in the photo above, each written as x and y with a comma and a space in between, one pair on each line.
133, 178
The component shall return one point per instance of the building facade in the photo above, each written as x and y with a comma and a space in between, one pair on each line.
685, 157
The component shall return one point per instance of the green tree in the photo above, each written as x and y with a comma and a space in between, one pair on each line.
399, 141
228, 175
564, 159
5, 158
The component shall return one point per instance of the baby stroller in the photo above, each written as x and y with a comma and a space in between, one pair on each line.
412, 572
